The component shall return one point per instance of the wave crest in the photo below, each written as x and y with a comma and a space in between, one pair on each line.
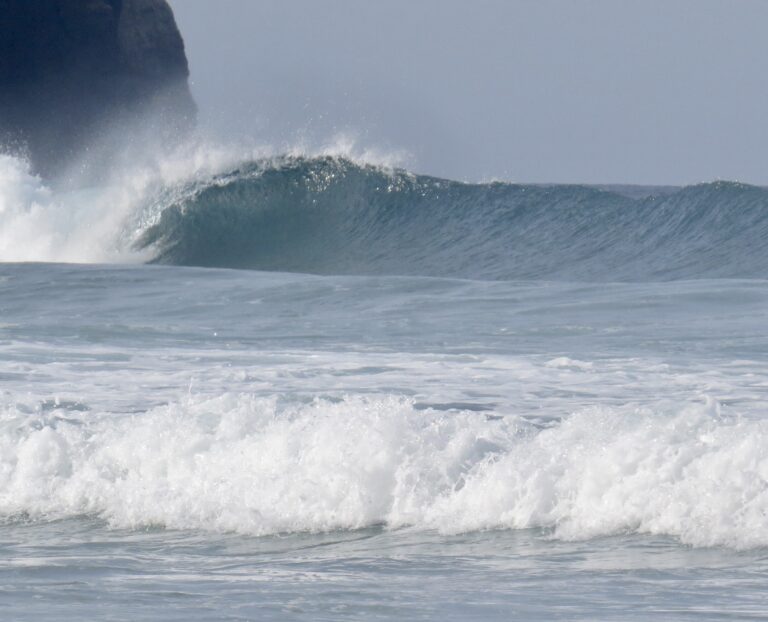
332, 216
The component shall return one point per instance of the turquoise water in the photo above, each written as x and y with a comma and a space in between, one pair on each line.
478, 405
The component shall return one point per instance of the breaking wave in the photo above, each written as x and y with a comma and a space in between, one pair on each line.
238, 463
333, 216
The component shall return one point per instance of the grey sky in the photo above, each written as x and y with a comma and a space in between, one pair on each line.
596, 91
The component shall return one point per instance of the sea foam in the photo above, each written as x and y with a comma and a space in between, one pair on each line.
67, 221
238, 463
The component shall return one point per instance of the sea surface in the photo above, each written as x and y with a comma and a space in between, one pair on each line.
311, 388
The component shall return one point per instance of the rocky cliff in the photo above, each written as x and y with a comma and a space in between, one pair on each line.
70, 69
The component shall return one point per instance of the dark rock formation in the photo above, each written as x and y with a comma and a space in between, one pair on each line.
72, 69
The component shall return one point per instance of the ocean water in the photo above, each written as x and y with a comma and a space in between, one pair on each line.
317, 389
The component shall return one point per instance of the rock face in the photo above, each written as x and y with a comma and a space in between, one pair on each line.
71, 69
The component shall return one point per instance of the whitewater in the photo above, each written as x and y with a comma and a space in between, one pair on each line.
319, 386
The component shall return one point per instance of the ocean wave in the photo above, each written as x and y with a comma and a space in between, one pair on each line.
238, 463
329, 214
333, 216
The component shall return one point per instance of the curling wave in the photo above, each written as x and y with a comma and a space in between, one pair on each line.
332, 216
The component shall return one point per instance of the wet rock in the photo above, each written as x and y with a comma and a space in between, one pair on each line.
70, 70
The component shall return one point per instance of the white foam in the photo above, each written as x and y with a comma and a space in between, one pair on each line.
38, 224
563, 362
246, 464
91, 224
24, 203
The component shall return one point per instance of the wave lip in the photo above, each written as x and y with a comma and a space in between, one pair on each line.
330, 215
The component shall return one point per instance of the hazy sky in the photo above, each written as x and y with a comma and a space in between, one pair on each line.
600, 91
